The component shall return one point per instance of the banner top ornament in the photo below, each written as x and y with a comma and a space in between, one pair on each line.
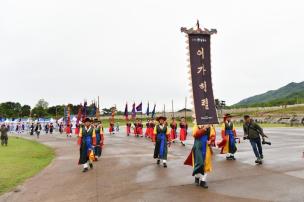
198, 30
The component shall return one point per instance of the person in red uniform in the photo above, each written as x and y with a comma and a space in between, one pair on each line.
128, 124
183, 130
111, 128
173, 126
152, 126
147, 128
139, 128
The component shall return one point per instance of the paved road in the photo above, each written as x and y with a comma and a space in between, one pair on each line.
127, 172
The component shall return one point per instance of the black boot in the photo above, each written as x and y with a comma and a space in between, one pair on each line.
165, 165
196, 181
204, 184
158, 162
232, 158
91, 165
85, 170
258, 161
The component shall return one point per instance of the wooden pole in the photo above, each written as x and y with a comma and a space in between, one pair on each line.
186, 108
172, 109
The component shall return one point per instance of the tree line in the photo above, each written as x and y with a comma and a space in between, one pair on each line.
43, 110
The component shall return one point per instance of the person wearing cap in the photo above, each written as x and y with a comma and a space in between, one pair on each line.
99, 138
173, 126
253, 131
228, 145
162, 139
200, 157
183, 130
86, 140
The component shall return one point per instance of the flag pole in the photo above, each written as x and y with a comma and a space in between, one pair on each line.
186, 108
172, 109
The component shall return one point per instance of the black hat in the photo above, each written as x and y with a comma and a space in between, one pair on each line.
227, 115
246, 116
87, 120
161, 118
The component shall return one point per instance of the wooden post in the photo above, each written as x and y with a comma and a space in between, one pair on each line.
186, 108
172, 109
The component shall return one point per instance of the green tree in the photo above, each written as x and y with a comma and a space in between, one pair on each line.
25, 110
42, 103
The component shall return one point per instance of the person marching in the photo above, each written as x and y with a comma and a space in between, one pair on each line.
46, 128
253, 131
38, 128
228, 145
151, 132
162, 140
99, 139
183, 130
32, 128
111, 128
4, 136
147, 128
200, 157
51, 128
86, 140
173, 126
128, 124
61, 128
139, 128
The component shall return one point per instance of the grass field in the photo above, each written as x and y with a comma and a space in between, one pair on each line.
20, 160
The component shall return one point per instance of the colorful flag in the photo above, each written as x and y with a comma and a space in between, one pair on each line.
126, 111
153, 112
139, 107
84, 110
133, 111
148, 112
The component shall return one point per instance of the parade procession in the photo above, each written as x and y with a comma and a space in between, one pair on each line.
151, 101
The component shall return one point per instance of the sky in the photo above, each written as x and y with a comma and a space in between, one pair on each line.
65, 51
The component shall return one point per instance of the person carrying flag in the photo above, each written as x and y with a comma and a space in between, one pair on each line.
200, 157
162, 140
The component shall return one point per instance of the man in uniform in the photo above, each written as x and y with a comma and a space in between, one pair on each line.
162, 140
228, 144
99, 138
86, 140
201, 154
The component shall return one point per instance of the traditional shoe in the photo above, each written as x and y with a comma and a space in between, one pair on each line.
85, 170
203, 184
165, 165
196, 181
91, 165
262, 156
228, 158
233, 158
258, 161
158, 162
183, 144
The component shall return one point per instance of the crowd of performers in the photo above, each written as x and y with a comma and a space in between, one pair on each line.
163, 133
